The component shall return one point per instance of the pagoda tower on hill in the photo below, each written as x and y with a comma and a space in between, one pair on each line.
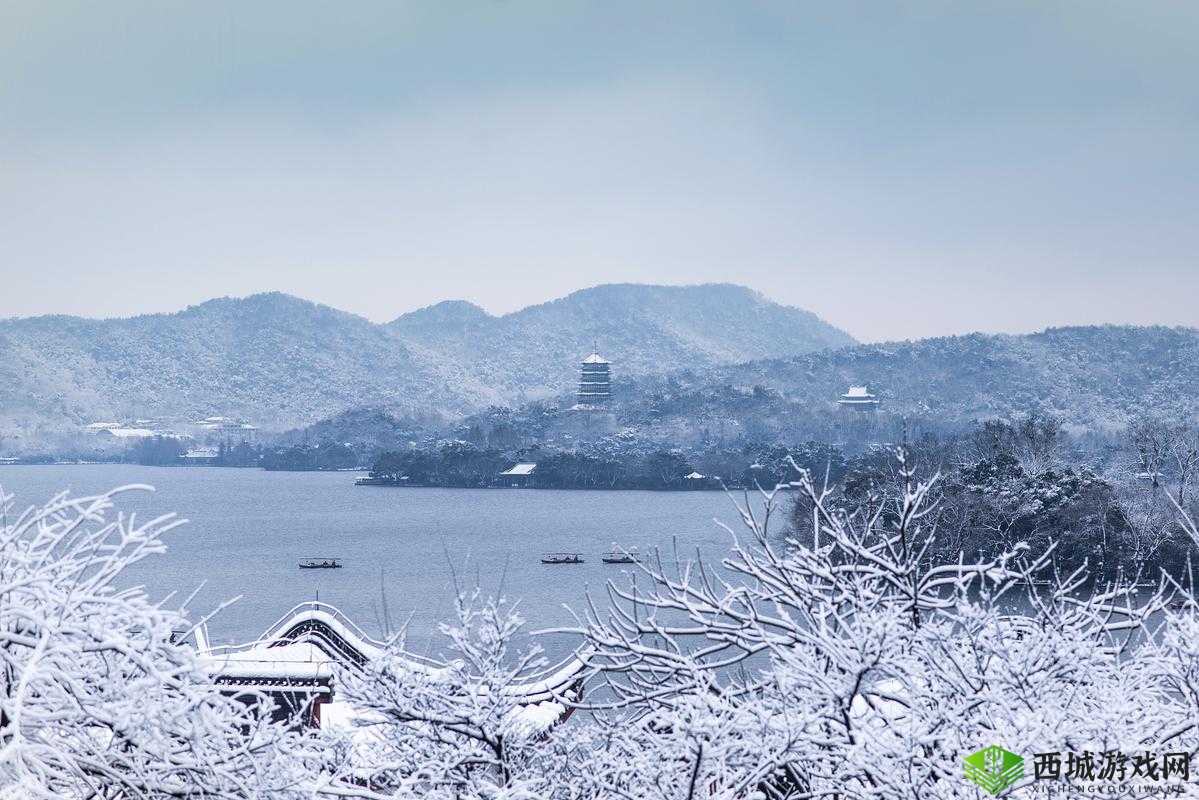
595, 381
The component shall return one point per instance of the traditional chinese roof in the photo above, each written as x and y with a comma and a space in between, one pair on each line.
596, 358
310, 644
520, 469
858, 395
298, 661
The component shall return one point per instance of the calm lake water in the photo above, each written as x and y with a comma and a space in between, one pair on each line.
247, 529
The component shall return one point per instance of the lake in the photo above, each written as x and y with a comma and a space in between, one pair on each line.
248, 528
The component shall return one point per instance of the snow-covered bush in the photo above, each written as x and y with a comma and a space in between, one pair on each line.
856, 666
453, 727
857, 663
97, 700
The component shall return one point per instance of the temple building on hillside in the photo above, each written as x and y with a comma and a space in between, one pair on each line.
858, 399
595, 381
226, 430
858, 415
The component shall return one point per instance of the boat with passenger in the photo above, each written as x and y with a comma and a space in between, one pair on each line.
621, 557
320, 562
562, 558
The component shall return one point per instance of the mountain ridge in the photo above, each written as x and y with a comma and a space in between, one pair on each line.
1094, 377
700, 324
282, 361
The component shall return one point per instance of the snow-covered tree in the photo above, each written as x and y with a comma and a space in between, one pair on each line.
857, 666
97, 698
857, 663
455, 726
1166, 450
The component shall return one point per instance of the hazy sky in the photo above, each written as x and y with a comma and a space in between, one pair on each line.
902, 169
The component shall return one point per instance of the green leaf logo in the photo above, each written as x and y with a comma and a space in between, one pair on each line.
994, 769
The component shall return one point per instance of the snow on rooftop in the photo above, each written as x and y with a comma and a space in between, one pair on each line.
858, 396
536, 718
302, 660
694, 476
273, 657
332, 618
224, 422
132, 433
520, 469
596, 358
294, 652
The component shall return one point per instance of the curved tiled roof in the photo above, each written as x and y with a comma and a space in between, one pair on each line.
314, 639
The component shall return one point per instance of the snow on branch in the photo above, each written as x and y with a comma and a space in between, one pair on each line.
96, 697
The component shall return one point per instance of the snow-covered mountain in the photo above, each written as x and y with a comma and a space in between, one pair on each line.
1092, 377
269, 358
280, 361
641, 329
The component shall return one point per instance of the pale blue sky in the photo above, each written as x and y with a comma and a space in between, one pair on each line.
902, 169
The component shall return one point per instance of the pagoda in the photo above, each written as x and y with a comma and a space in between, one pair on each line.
595, 381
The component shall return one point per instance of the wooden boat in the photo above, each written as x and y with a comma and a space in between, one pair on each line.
562, 558
620, 557
322, 562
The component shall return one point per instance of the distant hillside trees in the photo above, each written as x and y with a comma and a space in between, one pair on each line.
1014, 481
1166, 448
613, 463
453, 463
285, 362
241, 454
570, 470
1092, 379
325, 456
157, 451
364, 429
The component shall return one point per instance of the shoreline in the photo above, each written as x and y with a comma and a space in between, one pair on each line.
656, 489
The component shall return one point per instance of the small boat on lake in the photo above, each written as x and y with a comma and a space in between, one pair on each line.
562, 558
620, 557
323, 562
